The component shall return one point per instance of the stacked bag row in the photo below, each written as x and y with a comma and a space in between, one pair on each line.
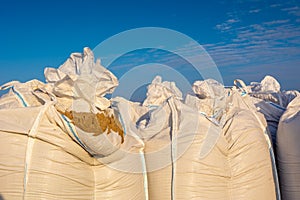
65, 140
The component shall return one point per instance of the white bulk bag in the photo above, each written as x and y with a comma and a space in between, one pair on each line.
244, 132
288, 151
46, 156
270, 101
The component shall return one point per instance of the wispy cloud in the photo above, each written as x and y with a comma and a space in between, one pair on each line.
254, 11
290, 8
227, 24
275, 5
223, 27
260, 42
277, 22
231, 21
264, 43
295, 10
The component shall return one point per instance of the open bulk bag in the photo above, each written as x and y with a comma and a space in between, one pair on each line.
175, 145
248, 176
270, 101
42, 158
51, 153
39, 159
200, 168
80, 85
251, 158
288, 151
26, 140
150, 122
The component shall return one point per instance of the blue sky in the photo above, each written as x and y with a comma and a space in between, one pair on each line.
247, 39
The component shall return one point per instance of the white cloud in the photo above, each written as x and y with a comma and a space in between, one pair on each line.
223, 27
231, 21
255, 11
295, 12
271, 46
264, 43
275, 5
292, 10
277, 22
227, 25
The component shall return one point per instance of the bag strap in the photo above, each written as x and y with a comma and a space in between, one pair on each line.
174, 128
240, 84
42, 94
8, 85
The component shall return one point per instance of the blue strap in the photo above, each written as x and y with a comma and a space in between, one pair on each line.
277, 106
73, 132
19, 96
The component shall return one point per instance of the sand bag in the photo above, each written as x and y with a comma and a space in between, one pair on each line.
43, 158
39, 160
157, 137
79, 86
198, 155
242, 140
98, 126
54, 154
270, 101
246, 134
288, 151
